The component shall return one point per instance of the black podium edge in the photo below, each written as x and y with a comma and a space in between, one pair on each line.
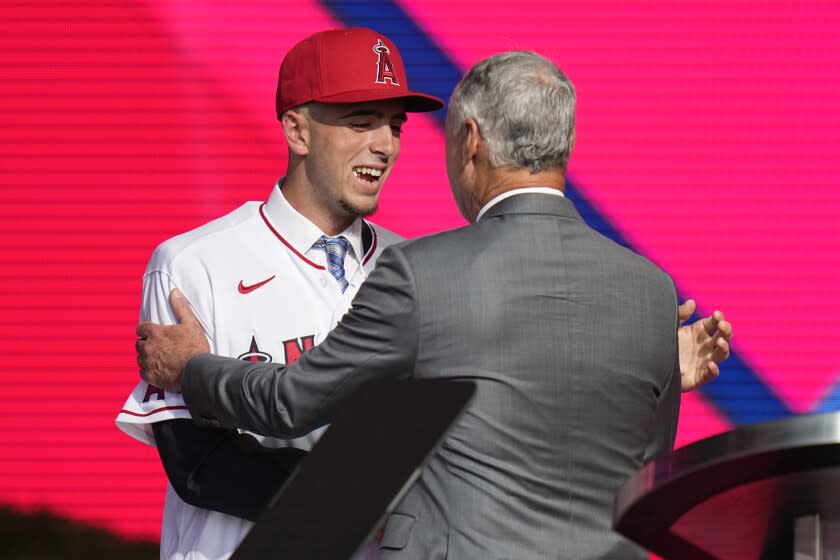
653, 499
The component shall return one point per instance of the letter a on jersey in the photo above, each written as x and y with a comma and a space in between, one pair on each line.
384, 69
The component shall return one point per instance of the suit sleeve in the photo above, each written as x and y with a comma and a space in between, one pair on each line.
375, 341
668, 407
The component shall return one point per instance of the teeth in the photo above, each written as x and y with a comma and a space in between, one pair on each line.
367, 171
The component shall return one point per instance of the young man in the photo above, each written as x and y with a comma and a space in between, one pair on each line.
269, 280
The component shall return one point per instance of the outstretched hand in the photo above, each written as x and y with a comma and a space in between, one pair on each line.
164, 350
703, 345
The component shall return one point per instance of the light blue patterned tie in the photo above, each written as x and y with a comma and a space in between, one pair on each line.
336, 249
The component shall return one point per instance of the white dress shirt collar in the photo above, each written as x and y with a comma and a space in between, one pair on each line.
301, 233
507, 194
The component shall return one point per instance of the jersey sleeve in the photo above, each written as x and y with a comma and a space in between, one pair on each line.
148, 404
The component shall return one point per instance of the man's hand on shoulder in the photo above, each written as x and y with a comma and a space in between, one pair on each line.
163, 351
703, 345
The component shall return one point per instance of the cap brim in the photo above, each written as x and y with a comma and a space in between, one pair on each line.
414, 102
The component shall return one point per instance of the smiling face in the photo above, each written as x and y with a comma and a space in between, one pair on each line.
349, 152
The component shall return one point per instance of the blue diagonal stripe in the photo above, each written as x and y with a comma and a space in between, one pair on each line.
742, 396
738, 393
832, 401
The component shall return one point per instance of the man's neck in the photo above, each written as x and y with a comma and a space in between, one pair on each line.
300, 198
498, 180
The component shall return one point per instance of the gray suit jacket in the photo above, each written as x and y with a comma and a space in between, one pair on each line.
571, 339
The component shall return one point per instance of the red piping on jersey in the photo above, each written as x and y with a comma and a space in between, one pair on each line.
372, 245
286, 243
155, 411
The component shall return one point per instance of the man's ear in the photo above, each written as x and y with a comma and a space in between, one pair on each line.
296, 130
472, 140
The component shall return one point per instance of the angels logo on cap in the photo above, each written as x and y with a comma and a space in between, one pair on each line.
335, 67
384, 68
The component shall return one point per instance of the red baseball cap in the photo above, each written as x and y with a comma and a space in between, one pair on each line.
351, 65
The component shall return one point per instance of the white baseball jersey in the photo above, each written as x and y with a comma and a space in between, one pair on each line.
261, 292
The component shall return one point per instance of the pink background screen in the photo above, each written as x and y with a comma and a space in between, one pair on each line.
708, 138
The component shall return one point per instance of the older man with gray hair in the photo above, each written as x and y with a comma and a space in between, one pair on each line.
570, 338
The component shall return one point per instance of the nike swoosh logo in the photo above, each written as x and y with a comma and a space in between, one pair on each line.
243, 289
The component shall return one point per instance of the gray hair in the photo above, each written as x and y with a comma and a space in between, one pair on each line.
524, 107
